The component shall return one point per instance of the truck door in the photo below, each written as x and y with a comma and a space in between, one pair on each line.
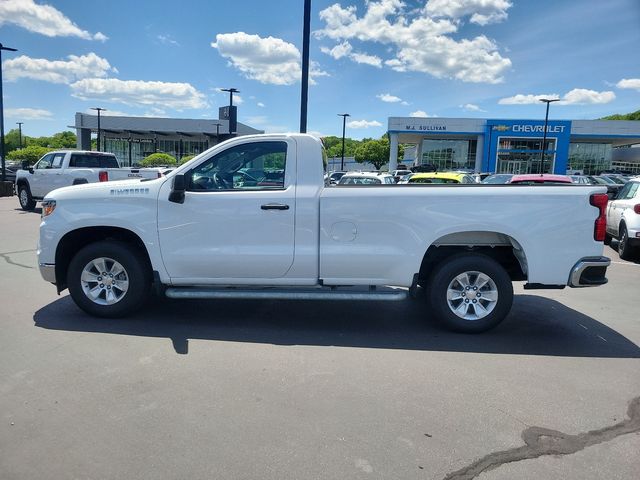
39, 178
237, 219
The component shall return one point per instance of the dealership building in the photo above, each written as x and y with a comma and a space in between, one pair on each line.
133, 138
515, 146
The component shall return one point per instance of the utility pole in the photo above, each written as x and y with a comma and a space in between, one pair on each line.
544, 134
344, 126
2, 149
19, 133
304, 97
98, 109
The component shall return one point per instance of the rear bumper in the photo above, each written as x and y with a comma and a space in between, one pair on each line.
48, 272
589, 272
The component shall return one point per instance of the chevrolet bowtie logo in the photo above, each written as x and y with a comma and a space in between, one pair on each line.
501, 128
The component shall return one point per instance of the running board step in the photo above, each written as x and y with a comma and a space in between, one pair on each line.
284, 294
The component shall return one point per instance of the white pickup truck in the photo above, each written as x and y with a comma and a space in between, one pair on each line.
63, 168
252, 218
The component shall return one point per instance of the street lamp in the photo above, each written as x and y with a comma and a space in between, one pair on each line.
304, 94
217, 125
2, 149
344, 125
544, 134
98, 109
231, 92
19, 133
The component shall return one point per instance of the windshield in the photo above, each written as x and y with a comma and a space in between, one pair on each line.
496, 179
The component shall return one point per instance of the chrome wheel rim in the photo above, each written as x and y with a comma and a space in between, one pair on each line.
24, 199
104, 281
472, 295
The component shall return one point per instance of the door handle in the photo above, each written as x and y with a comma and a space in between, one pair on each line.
274, 206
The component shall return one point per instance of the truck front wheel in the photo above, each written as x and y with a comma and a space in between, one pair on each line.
470, 293
24, 197
108, 279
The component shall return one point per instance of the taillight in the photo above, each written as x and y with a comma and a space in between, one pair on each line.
103, 176
600, 228
636, 209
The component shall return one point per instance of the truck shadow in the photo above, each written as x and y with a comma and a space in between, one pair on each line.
536, 326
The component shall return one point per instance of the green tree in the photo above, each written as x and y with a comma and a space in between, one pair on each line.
185, 159
31, 153
158, 160
627, 116
375, 152
12, 140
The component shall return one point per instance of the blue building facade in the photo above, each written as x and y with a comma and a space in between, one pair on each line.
511, 145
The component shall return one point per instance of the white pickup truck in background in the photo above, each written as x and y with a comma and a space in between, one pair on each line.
63, 168
252, 218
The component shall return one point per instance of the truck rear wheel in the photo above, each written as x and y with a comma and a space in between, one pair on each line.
470, 293
24, 197
108, 279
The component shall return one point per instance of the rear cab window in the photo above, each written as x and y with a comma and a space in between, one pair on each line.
92, 160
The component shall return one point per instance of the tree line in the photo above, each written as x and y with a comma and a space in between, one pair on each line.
367, 150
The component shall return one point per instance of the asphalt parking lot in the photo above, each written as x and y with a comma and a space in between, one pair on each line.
297, 390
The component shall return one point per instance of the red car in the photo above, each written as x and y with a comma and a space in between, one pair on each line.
540, 179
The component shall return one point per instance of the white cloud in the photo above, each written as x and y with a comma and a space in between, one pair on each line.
57, 71
387, 97
43, 19
167, 40
581, 96
108, 113
344, 49
177, 96
471, 107
367, 59
421, 41
363, 124
577, 96
268, 60
28, 113
481, 12
521, 99
633, 83
420, 113
340, 50
260, 104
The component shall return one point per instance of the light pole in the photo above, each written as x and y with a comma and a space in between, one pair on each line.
231, 92
98, 109
304, 96
544, 133
217, 125
19, 133
2, 149
344, 125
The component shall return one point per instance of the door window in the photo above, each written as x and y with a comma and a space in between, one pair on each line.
57, 160
250, 166
632, 191
44, 162
622, 194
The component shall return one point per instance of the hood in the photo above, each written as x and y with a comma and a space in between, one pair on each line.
106, 189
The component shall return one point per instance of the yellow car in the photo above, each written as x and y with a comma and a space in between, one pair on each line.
440, 177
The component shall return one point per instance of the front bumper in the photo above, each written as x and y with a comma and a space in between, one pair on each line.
48, 272
589, 272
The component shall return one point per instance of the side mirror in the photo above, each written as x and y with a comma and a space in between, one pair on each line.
179, 187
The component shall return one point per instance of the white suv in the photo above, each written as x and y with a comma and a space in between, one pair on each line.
623, 219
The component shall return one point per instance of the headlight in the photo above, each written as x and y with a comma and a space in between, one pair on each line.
48, 206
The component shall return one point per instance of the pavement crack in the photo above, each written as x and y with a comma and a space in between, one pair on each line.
6, 257
543, 441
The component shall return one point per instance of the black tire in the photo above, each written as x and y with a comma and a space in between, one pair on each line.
625, 251
467, 265
27, 203
137, 273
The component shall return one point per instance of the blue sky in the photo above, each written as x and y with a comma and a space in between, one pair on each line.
375, 59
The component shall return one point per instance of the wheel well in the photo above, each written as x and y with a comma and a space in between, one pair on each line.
21, 182
501, 248
80, 238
